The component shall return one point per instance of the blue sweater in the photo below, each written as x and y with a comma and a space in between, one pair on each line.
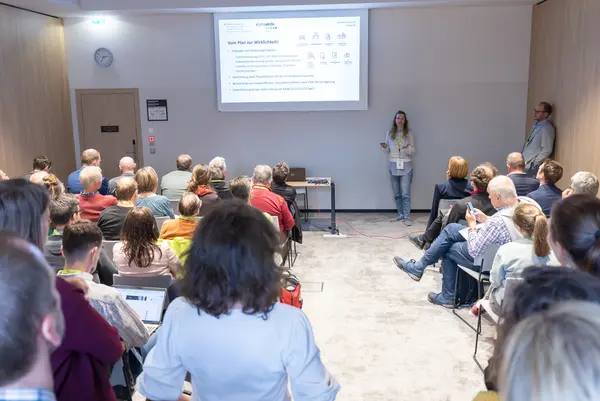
546, 195
75, 187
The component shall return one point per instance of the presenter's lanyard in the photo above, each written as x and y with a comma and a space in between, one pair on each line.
399, 142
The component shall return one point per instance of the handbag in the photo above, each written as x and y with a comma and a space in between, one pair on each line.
291, 290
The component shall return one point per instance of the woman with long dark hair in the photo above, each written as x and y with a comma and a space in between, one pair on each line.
139, 253
400, 144
228, 329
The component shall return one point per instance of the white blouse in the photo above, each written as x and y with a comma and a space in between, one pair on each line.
236, 357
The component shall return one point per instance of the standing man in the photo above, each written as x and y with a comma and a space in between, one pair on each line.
174, 184
540, 142
127, 167
31, 322
89, 158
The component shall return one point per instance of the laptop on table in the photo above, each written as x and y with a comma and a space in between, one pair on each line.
148, 303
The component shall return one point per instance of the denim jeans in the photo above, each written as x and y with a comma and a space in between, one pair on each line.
401, 188
458, 254
449, 236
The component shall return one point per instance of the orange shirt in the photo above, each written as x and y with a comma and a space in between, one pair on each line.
179, 227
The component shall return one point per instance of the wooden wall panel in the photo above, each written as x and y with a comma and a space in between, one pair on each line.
565, 70
35, 114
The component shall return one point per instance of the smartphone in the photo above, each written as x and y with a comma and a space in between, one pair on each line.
471, 209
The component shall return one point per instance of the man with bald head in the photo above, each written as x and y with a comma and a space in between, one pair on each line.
127, 167
111, 219
515, 164
456, 249
174, 184
89, 157
185, 224
91, 202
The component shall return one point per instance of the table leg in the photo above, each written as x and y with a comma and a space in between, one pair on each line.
333, 224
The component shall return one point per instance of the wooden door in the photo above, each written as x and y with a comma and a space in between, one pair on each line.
109, 122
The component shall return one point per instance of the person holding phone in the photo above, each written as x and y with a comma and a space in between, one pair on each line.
400, 145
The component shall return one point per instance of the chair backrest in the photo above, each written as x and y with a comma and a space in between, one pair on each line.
161, 220
108, 248
275, 221
488, 257
175, 206
445, 204
199, 218
510, 287
163, 281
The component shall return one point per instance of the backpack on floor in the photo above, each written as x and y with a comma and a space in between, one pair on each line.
466, 293
291, 290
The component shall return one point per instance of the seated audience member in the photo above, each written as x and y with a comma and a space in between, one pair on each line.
219, 172
185, 224
540, 289
82, 243
512, 258
38, 178
111, 219
3, 176
64, 211
280, 187
454, 249
174, 184
262, 198
147, 182
575, 232
230, 306
55, 188
40, 163
91, 346
455, 187
89, 157
138, 253
127, 168
582, 182
515, 165
241, 187
91, 202
31, 322
200, 185
554, 355
549, 174
480, 178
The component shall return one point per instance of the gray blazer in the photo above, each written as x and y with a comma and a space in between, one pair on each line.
539, 145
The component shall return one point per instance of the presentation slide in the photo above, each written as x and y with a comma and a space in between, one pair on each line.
285, 60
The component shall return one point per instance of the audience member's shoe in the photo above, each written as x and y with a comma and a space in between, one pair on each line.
408, 221
408, 267
417, 240
437, 299
397, 218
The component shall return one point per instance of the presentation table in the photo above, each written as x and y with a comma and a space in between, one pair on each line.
329, 184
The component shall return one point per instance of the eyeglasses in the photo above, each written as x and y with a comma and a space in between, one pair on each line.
539, 111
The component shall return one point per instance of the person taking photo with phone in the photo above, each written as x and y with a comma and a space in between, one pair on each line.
400, 145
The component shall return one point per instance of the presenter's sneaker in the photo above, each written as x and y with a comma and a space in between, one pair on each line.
397, 218
408, 221
437, 299
409, 268
418, 241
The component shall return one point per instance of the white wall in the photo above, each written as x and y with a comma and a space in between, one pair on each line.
460, 74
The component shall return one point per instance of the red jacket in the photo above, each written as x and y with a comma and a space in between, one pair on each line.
92, 205
263, 199
89, 349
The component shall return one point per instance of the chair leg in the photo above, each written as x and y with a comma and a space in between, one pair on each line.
477, 334
294, 253
454, 307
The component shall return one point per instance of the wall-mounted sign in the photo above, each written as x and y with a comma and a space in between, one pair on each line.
109, 128
157, 109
